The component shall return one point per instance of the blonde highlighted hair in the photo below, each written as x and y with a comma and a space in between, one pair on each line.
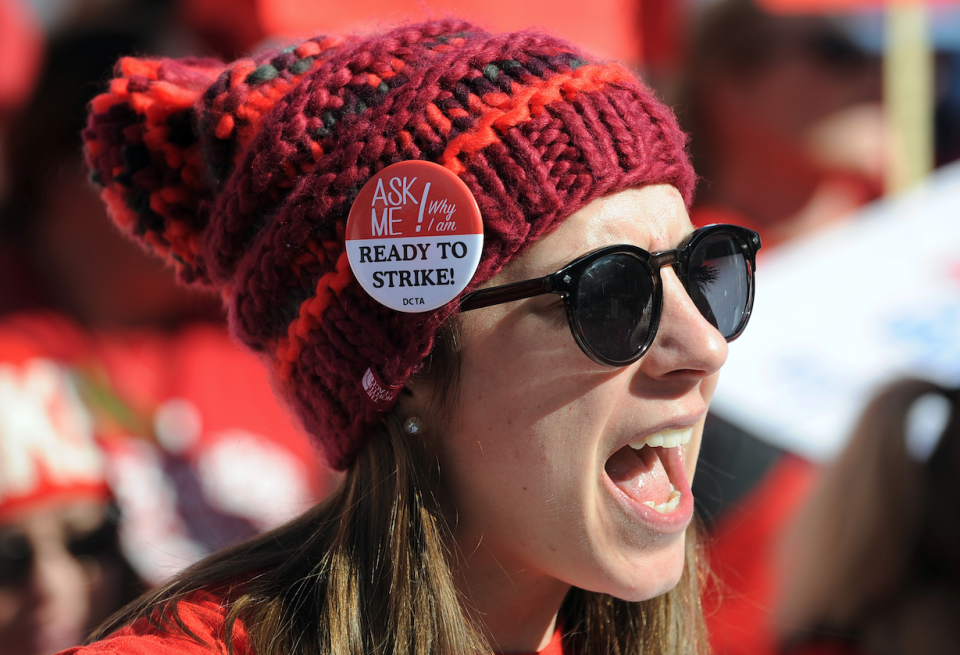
369, 570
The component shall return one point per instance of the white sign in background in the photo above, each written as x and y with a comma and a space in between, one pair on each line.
842, 312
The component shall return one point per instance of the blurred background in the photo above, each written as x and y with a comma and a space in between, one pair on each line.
136, 437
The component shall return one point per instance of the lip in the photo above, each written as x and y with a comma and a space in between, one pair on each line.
679, 518
678, 423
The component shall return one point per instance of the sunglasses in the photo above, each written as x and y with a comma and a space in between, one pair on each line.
17, 549
614, 295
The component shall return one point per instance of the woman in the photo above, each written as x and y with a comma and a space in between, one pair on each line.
505, 489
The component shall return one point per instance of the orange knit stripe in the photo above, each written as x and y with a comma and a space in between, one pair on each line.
175, 97
103, 102
146, 67
140, 102
311, 313
224, 127
307, 49
440, 122
183, 240
528, 101
240, 72
332, 42
254, 106
118, 87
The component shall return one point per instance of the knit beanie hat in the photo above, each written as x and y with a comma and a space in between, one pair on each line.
243, 176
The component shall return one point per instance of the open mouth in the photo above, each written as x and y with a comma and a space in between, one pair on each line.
650, 470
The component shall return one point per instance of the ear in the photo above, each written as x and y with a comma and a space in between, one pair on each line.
416, 398
431, 393
419, 399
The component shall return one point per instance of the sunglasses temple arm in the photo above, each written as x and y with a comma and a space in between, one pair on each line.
505, 293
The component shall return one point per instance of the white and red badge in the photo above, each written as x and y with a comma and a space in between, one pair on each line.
414, 236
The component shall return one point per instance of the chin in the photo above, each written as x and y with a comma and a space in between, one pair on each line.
645, 575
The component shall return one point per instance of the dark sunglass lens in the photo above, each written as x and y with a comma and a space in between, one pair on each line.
718, 282
614, 306
15, 556
103, 539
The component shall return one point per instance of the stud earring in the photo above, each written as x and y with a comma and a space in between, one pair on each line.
413, 426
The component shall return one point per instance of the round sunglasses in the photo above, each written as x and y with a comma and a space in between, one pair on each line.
614, 295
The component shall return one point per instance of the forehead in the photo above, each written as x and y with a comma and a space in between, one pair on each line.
652, 217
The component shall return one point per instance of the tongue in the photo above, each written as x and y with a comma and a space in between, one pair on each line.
639, 474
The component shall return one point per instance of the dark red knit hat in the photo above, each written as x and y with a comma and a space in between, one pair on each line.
243, 174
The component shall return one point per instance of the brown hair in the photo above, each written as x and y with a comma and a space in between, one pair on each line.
368, 570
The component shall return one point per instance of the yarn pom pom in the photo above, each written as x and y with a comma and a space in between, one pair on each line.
142, 147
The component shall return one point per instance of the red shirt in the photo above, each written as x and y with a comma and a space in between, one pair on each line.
739, 604
204, 613
201, 611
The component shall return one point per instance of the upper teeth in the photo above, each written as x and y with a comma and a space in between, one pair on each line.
664, 439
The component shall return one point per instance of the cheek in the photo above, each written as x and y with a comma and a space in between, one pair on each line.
526, 410
494, 397
105, 589
9, 607
692, 450
520, 367
68, 582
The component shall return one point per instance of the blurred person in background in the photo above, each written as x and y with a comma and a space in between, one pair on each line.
787, 131
120, 462
872, 563
785, 118
61, 567
185, 419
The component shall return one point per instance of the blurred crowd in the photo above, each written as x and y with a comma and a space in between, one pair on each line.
136, 437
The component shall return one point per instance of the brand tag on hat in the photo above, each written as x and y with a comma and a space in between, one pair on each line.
414, 236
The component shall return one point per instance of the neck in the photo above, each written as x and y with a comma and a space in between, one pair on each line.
516, 610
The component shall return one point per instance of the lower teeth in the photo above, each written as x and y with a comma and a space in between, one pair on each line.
673, 499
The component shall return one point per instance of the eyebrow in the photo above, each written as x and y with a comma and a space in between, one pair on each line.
554, 265
557, 264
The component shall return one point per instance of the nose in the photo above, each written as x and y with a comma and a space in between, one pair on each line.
687, 348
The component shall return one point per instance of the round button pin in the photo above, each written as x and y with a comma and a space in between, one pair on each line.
414, 236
